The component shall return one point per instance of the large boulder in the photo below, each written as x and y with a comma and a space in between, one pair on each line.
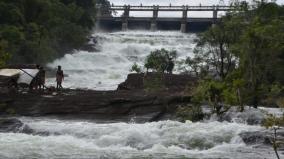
262, 138
171, 82
253, 138
13, 125
250, 116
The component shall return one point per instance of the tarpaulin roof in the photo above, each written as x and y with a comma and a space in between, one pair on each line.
24, 75
27, 75
9, 72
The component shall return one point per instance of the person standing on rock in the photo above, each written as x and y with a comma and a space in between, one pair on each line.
59, 77
170, 66
41, 78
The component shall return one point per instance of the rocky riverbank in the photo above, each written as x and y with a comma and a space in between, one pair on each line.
132, 99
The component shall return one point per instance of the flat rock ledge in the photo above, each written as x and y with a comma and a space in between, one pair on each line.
123, 104
13, 125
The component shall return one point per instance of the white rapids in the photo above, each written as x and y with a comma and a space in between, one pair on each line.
164, 139
105, 69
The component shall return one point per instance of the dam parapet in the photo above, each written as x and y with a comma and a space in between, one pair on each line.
185, 23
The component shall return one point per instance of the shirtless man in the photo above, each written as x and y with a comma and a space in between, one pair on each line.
59, 77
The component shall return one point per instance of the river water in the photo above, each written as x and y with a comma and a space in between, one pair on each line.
164, 139
103, 70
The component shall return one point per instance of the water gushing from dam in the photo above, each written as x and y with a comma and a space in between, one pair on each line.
116, 53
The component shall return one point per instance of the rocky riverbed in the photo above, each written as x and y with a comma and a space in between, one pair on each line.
132, 98
135, 121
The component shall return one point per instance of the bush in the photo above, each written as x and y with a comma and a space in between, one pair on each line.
160, 60
215, 93
274, 123
280, 102
192, 113
135, 68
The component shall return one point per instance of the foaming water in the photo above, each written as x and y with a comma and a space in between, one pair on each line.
106, 68
164, 139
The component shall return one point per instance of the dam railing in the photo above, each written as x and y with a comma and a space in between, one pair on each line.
184, 19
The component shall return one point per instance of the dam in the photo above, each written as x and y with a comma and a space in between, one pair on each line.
185, 23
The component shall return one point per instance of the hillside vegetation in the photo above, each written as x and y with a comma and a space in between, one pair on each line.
246, 53
37, 31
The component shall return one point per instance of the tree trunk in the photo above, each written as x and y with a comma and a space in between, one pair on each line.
222, 74
240, 100
275, 143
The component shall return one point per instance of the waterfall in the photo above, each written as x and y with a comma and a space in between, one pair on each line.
117, 52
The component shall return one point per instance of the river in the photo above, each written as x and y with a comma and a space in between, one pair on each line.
84, 139
103, 70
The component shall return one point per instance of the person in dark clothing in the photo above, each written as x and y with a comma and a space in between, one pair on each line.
13, 83
59, 77
170, 66
41, 78
35, 83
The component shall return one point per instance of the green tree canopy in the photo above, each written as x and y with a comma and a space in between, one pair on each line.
246, 51
159, 60
37, 31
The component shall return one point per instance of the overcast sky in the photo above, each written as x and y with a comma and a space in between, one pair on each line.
174, 2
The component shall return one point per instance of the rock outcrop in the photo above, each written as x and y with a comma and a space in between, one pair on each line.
10, 125
13, 125
262, 138
170, 82
122, 104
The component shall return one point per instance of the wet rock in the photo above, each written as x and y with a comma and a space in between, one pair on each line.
250, 116
261, 137
254, 121
27, 130
94, 40
11, 125
16, 126
253, 138
107, 104
170, 82
89, 48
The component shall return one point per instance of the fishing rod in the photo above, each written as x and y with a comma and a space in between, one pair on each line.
31, 76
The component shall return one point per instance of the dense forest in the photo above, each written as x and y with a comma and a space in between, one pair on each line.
37, 31
239, 62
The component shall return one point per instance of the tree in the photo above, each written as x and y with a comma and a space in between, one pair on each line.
259, 51
213, 49
38, 31
159, 60
195, 64
104, 7
246, 51
215, 93
274, 123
